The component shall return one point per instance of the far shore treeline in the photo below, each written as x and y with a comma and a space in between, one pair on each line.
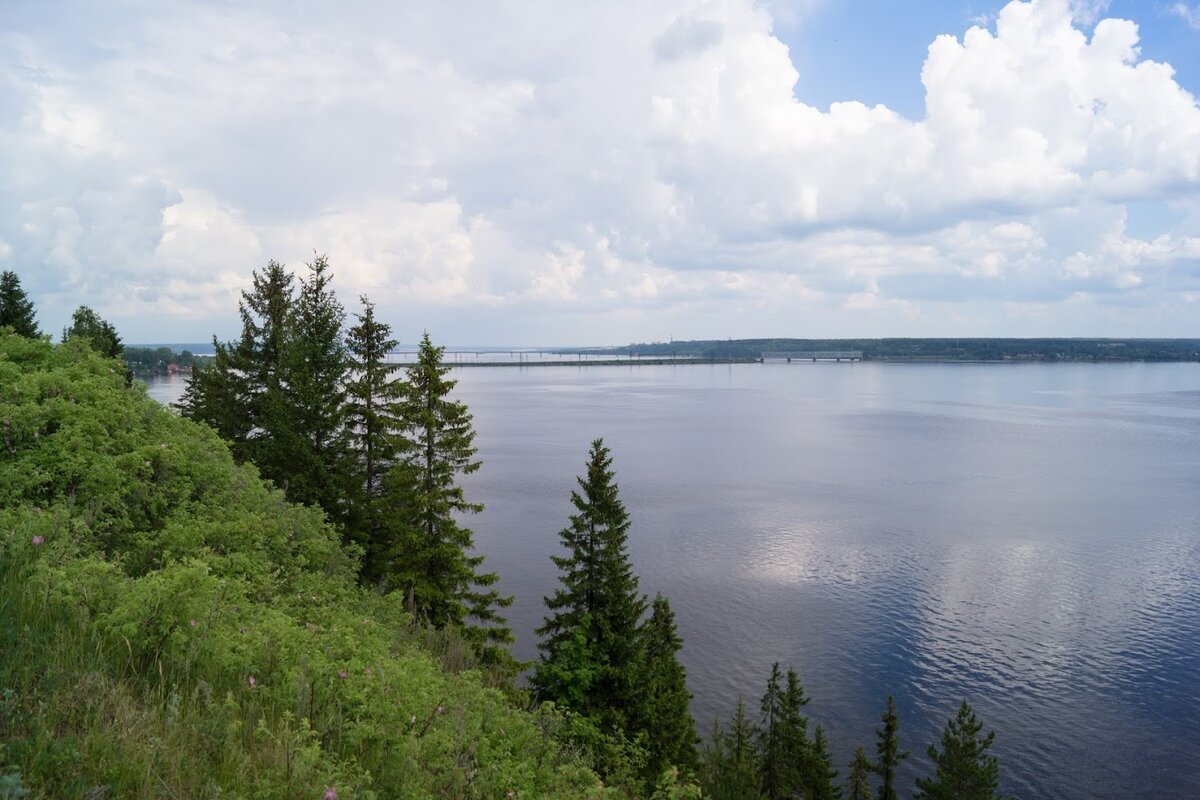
274, 594
944, 349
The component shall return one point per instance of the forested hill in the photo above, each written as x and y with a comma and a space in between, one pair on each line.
171, 626
929, 349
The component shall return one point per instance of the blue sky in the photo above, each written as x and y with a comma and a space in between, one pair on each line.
546, 173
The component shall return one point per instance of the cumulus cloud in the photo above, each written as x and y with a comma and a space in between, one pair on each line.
526, 170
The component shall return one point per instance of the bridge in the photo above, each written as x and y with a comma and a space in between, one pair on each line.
812, 355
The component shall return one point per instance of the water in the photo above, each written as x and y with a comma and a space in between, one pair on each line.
1025, 536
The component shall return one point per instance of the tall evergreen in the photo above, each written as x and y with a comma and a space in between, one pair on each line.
375, 427
16, 309
218, 395
731, 762
783, 738
964, 769
820, 780
662, 714
888, 755
86, 324
858, 782
431, 557
597, 587
241, 394
312, 436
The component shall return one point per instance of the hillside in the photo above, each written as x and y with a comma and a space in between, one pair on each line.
171, 627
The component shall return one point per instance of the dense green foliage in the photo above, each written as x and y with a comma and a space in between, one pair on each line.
86, 324
171, 626
598, 657
16, 309
430, 558
945, 349
888, 754
965, 771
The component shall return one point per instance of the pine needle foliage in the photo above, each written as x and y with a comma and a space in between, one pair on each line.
964, 769
888, 755
16, 309
598, 595
430, 558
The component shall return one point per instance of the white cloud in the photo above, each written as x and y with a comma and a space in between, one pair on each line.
1189, 14
644, 159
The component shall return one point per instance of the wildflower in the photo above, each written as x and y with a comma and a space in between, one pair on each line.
331, 793
343, 674
250, 680
37, 540
162, 446
413, 721
441, 710
192, 622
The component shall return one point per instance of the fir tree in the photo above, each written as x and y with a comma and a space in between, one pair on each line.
312, 435
597, 583
964, 770
732, 770
217, 395
783, 737
375, 427
888, 753
241, 394
821, 775
858, 783
430, 560
86, 324
662, 713
16, 309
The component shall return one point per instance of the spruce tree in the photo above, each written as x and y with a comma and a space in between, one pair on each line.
597, 584
312, 436
858, 782
375, 427
735, 772
783, 737
964, 769
888, 755
431, 559
86, 324
819, 781
241, 395
16, 309
662, 713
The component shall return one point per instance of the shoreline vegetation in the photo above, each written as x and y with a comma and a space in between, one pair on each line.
273, 594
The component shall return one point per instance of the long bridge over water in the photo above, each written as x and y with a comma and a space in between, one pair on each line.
811, 355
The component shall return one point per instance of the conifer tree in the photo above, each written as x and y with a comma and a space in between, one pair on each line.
102, 336
858, 783
783, 737
964, 769
597, 584
241, 394
662, 713
431, 558
821, 775
732, 763
16, 309
375, 427
888, 755
312, 431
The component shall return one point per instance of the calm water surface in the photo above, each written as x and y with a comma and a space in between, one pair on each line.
1025, 536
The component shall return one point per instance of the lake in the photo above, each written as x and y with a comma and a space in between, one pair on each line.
1025, 536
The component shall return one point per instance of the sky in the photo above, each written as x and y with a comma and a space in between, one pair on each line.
547, 173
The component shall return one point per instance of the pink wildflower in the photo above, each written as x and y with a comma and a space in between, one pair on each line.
331, 793
192, 622
441, 710
343, 674
37, 540
250, 680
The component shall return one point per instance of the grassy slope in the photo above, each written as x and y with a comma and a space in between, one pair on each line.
171, 627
